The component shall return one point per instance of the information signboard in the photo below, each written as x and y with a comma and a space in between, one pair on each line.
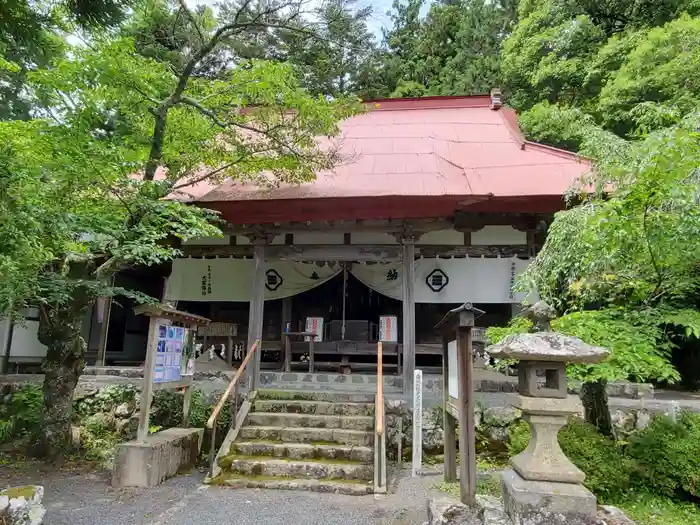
167, 365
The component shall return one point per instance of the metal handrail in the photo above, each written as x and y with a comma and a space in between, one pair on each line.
379, 409
233, 385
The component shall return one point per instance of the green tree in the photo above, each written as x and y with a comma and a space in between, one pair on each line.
460, 45
622, 267
658, 83
401, 42
30, 40
455, 50
630, 64
331, 60
123, 132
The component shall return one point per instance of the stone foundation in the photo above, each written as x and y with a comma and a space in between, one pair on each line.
546, 503
162, 456
22, 505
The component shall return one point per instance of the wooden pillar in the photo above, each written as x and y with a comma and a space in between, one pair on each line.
467, 432
255, 314
287, 314
104, 330
147, 388
450, 437
285, 356
409, 313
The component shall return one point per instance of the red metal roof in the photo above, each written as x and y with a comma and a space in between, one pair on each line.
451, 152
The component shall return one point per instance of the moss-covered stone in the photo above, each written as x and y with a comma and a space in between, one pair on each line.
26, 492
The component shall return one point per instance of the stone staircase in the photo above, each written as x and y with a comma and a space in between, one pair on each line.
318, 441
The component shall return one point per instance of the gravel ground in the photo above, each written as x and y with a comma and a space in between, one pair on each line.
77, 497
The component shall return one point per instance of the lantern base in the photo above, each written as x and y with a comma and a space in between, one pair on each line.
545, 502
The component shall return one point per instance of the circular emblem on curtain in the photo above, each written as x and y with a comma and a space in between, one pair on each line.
273, 280
437, 280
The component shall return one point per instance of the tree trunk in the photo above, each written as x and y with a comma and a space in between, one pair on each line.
60, 330
595, 406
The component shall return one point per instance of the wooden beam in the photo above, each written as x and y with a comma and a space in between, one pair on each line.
465, 221
366, 252
409, 314
257, 304
349, 226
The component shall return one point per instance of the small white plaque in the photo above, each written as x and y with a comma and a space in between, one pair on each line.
388, 328
315, 325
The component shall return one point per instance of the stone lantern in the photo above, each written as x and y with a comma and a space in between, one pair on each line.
544, 487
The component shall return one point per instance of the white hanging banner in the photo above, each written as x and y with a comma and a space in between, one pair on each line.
475, 280
232, 279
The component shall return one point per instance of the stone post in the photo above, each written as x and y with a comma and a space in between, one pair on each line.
544, 487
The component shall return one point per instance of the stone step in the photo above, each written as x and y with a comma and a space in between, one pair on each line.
314, 485
271, 419
255, 466
303, 450
298, 395
314, 407
308, 435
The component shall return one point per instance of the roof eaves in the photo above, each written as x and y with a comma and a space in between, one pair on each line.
556, 151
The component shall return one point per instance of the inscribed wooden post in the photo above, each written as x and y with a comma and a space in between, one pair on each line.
409, 314
417, 456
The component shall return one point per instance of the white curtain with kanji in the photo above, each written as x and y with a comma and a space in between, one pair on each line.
228, 279
471, 279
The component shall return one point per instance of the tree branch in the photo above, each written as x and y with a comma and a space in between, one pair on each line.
260, 20
189, 14
659, 278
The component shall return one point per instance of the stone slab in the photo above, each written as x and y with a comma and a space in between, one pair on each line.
161, 456
547, 346
546, 503
547, 406
22, 505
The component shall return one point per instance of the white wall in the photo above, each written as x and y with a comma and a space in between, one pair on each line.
207, 241
319, 238
372, 238
442, 237
499, 235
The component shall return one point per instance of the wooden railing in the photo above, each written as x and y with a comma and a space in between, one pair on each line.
232, 387
379, 437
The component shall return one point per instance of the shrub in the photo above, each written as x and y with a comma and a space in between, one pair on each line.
608, 469
166, 410
518, 437
20, 414
105, 400
668, 456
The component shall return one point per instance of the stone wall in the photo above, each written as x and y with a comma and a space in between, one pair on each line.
493, 425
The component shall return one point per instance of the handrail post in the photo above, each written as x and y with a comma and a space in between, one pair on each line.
212, 450
232, 387
379, 437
